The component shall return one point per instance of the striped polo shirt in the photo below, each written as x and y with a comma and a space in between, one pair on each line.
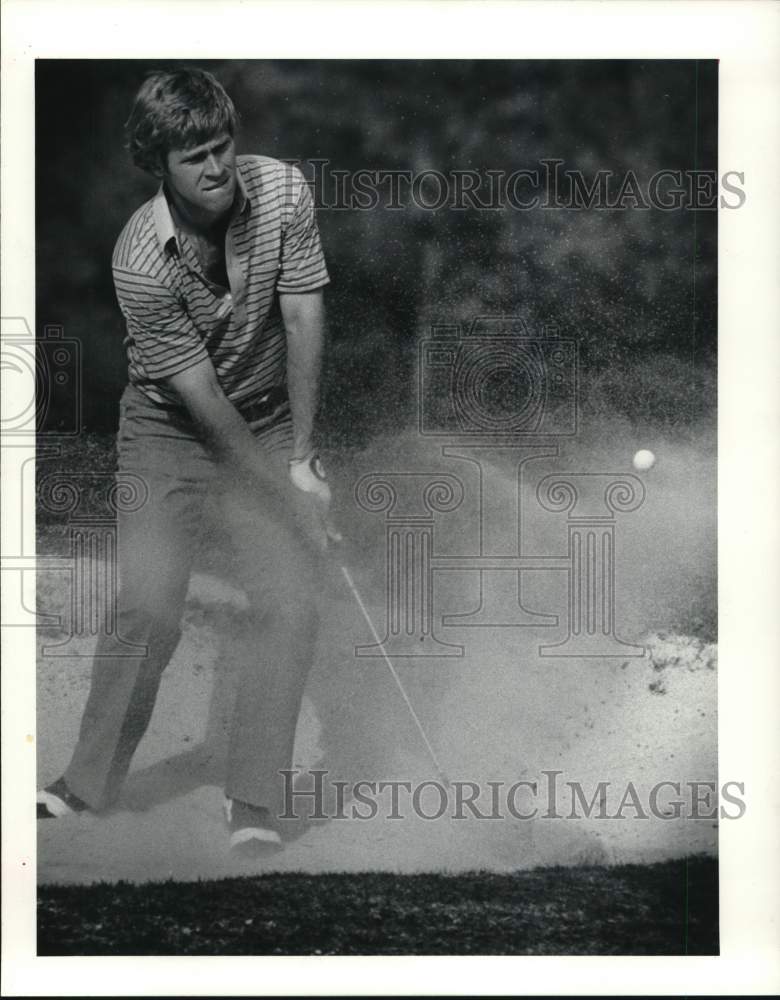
176, 317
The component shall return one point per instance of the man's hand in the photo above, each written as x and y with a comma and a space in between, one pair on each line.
308, 475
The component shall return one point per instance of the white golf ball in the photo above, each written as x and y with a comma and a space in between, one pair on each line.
644, 460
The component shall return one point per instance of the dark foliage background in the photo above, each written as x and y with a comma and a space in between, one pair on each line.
638, 288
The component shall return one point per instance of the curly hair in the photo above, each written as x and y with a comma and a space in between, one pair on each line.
177, 109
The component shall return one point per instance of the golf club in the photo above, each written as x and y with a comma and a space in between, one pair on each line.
439, 769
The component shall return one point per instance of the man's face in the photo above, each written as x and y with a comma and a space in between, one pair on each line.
203, 178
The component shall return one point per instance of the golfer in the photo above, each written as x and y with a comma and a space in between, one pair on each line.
219, 278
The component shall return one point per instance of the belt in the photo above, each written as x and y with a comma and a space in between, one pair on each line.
263, 407
259, 409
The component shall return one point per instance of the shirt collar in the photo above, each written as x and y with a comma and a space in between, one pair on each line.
163, 223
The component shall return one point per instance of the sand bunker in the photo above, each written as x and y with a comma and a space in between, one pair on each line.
500, 713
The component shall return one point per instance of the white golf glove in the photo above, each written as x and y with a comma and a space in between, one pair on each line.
308, 475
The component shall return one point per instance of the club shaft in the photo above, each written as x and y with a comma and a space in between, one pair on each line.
396, 678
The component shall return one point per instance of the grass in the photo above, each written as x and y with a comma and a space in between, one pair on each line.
669, 908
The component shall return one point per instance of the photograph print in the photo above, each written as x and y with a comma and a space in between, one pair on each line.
376, 506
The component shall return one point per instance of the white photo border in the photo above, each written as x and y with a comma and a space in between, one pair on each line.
742, 35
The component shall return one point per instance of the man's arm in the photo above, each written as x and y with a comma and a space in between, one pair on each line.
228, 437
224, 430
304, 320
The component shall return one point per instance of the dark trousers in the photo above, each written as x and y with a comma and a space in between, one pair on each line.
274, 563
